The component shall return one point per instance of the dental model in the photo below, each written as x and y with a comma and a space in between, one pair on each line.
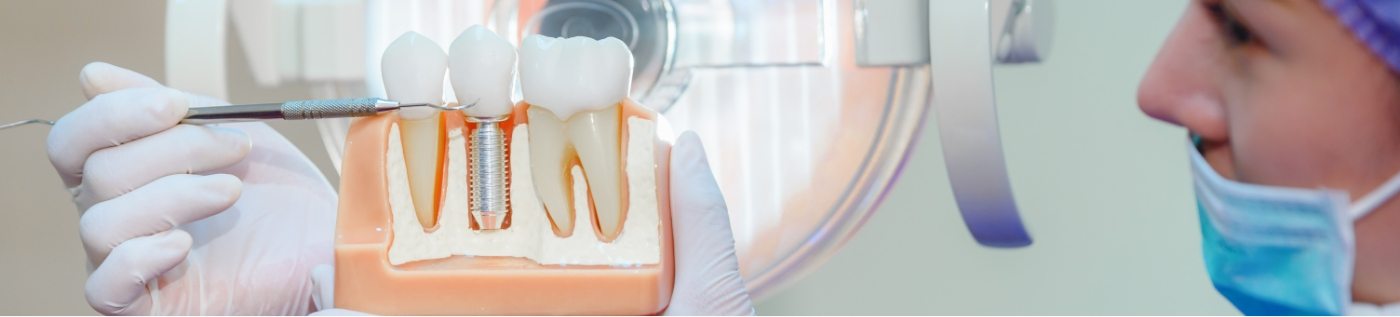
555, 205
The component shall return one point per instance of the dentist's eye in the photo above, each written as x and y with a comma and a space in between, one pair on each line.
1235, 32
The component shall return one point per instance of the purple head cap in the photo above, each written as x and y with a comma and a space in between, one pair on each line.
1374, 22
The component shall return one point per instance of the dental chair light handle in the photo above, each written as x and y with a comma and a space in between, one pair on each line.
300, 110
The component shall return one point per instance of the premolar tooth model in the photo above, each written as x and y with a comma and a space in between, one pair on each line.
413, 68
483, 65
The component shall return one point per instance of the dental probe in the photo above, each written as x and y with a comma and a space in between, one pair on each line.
291, 110
30, 121
303, 110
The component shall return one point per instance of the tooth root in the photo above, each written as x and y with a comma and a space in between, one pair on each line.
551, 156
596, 136
414, 68
422, 146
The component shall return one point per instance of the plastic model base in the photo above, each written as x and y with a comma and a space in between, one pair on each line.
488, 285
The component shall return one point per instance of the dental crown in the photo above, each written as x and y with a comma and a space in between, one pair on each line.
483, 65
576, 74
413, 67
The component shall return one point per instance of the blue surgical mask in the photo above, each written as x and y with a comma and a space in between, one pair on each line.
1279, 250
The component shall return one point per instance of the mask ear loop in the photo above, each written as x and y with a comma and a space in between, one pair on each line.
26, 122
1378, 196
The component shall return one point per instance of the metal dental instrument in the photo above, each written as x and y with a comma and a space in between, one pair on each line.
30, 121
291, 110
303, 110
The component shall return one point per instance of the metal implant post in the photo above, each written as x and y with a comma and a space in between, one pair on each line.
489, 187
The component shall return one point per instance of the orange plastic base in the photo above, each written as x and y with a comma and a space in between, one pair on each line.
460, 285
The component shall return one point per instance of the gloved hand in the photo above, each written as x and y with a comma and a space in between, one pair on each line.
707, 270
188, 219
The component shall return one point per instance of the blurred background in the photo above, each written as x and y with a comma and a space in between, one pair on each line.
1104, 190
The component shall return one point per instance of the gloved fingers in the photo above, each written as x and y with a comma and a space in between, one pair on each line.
338, 312
707, 269
157, 113
183, 149
118, 285
696, 196
160, 206
109, 120
99, 78
323, 282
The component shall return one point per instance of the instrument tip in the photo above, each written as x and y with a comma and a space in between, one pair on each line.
446, 107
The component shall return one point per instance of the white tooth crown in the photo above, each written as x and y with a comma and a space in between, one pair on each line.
483, 65
576, 74
413, 68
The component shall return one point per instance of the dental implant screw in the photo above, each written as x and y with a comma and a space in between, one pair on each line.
489, 188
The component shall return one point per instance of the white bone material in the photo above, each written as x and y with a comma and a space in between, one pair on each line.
529, 235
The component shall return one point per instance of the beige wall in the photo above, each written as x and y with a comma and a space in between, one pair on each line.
43, 44
1104, 190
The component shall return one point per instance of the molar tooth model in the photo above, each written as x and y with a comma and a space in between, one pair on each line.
555, 205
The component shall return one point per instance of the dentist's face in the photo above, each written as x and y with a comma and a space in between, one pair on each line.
1283, 94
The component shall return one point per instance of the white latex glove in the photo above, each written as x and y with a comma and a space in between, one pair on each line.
188, 219
707, 271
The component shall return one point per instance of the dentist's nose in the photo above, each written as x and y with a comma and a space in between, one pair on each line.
1181, 86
